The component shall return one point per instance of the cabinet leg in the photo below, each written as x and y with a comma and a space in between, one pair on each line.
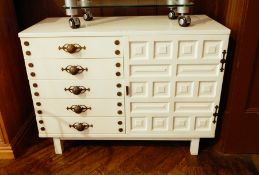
58, 146
194, 148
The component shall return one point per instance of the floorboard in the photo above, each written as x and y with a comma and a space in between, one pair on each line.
126, 158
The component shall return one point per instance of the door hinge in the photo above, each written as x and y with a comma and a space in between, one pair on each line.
215, 114
127, 90
223, 60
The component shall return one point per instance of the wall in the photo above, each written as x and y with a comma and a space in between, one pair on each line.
30, 11
15, 100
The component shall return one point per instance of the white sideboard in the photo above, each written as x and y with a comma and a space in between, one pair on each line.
126, 78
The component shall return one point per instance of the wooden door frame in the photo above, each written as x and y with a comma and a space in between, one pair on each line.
236, 17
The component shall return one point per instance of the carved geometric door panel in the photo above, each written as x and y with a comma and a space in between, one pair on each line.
174, 83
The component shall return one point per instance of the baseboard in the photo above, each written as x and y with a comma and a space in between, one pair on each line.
23, 136
6, 152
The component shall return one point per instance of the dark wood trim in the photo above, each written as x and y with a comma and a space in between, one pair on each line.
240, 19
3, 134
15, 103
231, 15
21, 140
26, 132
6, 151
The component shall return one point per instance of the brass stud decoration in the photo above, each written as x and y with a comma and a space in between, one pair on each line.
33, 74
26, 43
35, 85
42, 128
119, 104
36, 94
119, 112
118, 64
39, 112
117, 42
119, 122
38, 103
41, 121
118, 85
30, 65
118, 74
117, 52
119, 93
28, 53
120, 130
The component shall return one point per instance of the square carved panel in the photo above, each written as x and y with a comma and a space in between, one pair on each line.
139, 89
184, 89
212, 49
202, 124
139, 124
163, 50
160, 124
181, 124
161, 89
138, 50
188, 50
207, 89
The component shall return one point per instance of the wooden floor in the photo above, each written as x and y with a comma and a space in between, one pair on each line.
125, 158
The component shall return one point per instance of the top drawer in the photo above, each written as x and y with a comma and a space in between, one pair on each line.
72, 47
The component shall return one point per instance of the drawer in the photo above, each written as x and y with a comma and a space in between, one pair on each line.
67, 125
83, 47
83, 89
79, 107
77, 69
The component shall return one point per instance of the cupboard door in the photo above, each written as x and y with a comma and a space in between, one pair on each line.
174, 83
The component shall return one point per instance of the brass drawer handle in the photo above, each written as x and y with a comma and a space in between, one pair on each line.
73, 70
79, 108
77, 89
81, 126
71, 48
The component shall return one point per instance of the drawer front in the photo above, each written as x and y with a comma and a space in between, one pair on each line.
86, 47
78, 69
79, 107
89, 89
66, 125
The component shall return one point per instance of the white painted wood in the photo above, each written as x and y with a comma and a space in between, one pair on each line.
96, 68
173, 75
96, 47
99, 107
197, 70
151, 107
150, 71
98, 88
58, 146
194, 148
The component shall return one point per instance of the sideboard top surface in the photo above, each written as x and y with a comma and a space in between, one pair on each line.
126, 25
